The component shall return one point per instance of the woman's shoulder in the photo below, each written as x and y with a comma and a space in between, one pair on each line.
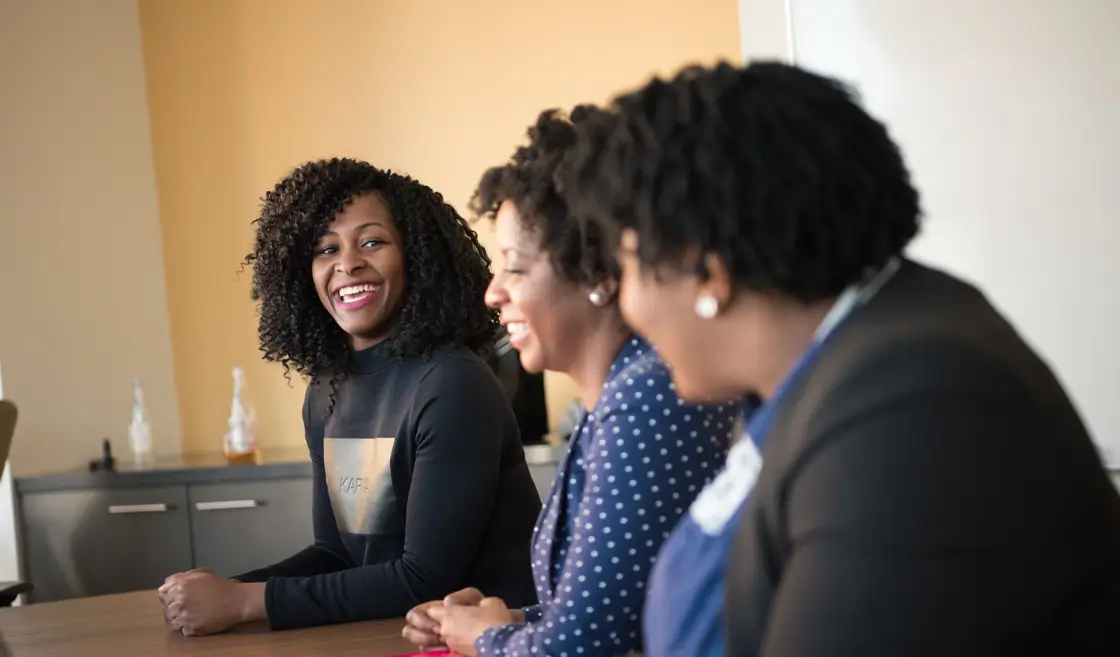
318, 388
449, 366
641, 425
457, 395
456, 366
639, 373
642, 385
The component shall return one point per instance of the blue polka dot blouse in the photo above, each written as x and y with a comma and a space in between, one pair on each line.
633, 467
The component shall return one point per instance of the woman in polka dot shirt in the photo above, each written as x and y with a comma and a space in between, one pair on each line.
634, 463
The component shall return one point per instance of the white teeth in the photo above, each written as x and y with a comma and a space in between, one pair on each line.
516, 328
356, 289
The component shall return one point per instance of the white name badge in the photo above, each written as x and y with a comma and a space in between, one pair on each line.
715, 505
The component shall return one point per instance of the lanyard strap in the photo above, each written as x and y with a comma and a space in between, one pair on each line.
852, 297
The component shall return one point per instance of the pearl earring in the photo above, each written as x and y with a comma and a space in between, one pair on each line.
596, 298
706, 306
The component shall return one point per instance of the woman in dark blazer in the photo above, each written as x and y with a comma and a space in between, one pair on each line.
918, 482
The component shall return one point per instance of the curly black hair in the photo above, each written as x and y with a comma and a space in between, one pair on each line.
576, 247
446, 269
776, 170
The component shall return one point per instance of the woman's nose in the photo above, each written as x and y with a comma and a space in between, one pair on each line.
495, 292
349, 260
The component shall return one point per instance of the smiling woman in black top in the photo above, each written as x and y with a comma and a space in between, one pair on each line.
372, 286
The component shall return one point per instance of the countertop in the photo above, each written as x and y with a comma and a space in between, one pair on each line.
208, 468
175, 470
131, 624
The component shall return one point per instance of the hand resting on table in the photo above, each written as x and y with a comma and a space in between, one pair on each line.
198, 602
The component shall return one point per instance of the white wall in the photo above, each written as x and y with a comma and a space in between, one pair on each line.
82, 301
84, 307
765, 29
1008, 112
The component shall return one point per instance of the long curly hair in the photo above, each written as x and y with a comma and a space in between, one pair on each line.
776, 170
576, 247
446, 269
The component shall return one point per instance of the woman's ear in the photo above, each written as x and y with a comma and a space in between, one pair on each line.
713, 292
609, 287
603, 292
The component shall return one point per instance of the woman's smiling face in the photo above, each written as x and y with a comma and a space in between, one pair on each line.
359, 270
546, 315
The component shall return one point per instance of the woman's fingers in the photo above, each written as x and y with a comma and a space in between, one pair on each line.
468, 597
420, 638
424, 631
418, 618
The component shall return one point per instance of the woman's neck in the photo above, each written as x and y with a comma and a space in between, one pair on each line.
784, 332
359, 343
590, 367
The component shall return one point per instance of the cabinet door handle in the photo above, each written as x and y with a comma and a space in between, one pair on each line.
117, 509
225, 505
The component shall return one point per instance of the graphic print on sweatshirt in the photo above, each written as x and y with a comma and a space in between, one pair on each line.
360, 484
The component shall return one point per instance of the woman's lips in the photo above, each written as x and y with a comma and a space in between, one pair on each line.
353, 297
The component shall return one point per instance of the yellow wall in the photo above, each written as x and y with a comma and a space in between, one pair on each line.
82, 303
240, 91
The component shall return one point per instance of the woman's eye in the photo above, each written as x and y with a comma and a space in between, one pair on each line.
327, 250
370, 243
513, 272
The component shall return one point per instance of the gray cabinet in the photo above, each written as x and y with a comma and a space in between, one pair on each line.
239, 527
92, 542
85, 534
80, 542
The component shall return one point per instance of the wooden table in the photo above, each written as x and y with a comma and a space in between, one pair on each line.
131, 625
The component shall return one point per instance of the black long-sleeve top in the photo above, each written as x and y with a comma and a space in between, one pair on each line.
420, 489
